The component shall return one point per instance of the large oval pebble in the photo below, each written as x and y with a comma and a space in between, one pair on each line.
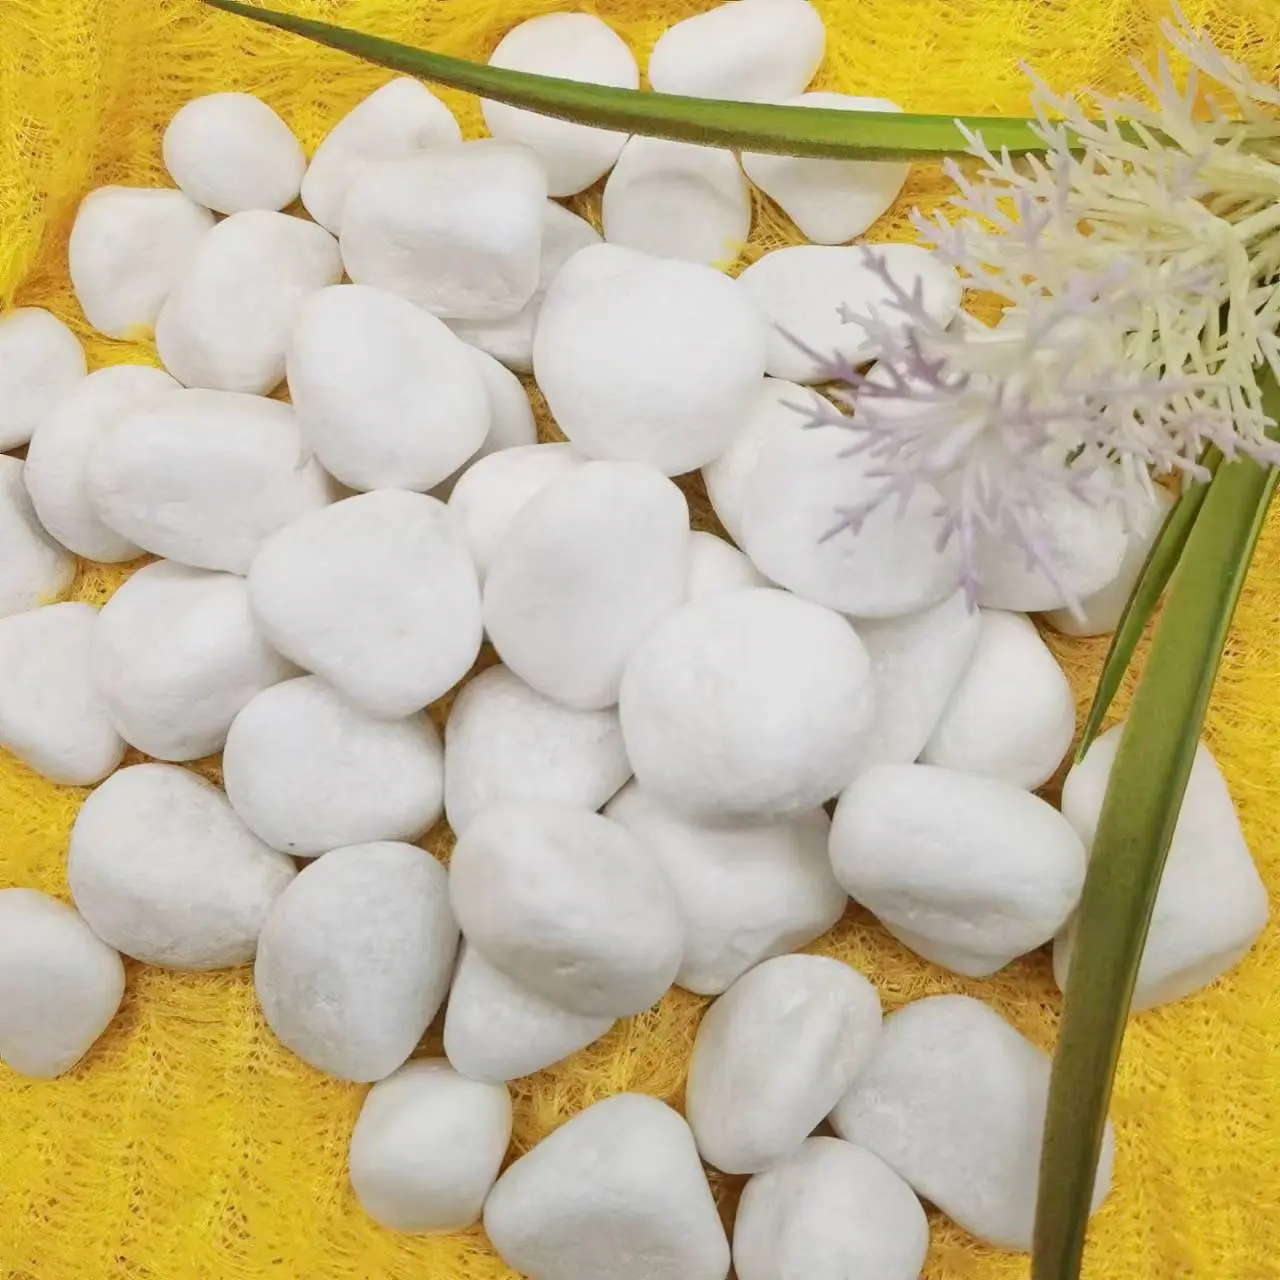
34, 569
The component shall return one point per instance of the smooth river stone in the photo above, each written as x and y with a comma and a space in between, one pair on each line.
968, 872
355, 958
716, 566
953, 1100
624, 1170
164, 871
784, 699
773, 1055
34, 570
310, 772
568, 904
40, 361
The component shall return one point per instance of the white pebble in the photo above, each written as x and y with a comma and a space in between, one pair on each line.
1101, 611
773, 1055
830, 201
748, 706
58, 456
570, 46
510, 338
496, 1030
746, 50
893, 564
654, 364
716, 566
586, 568
953, 1100
377, 594
397, 120
677, 200
569, 904
51, 715
309, 772
34, 570
176, 654
457, 230
805, 288
427, 1148
832, 1211
227, 321
60, 985
776, 408
385, 394
231, 152
624, 1171
1012, 715
968, 872
917, 660
1211, 904
40, 361
204, 477
746, 893
129, 246
355, 958
505, 741
163, 870
594, 264
492, 492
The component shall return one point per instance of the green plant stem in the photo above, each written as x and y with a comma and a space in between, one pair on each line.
1143, 798
746, 126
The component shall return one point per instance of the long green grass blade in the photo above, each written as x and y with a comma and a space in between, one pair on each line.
1135, 828
746, 126
1157, 569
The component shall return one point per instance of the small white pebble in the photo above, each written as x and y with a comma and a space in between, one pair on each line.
624, 1170
377, 594
1012, 715
427, 1148
204, 477
34, 570
497, 1030
716, 565
59, 453
456, 230
747, 706
968, 872
746, 51
164, 871
568, 904
773, 1055
953, 1100
60, 984
570, 46
831, 1211
384, 393
51, 714
804, 288
309, 772
227, 321
677, 200
355, 957
830, 201
586, 568
129, 246
230, 152
654, 364
505, 741
176, 654
746, 893
511, 421
40, 361
397, 120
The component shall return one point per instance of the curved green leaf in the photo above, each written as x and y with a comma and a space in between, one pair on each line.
745, 126
1135, 828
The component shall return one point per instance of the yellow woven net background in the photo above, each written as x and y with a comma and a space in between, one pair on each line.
189, 1145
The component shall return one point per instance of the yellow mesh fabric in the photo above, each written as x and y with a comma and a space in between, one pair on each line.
189, 1145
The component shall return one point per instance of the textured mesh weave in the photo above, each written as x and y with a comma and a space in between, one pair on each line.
190, 1145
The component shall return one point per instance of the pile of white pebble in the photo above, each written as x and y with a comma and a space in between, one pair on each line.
332, 565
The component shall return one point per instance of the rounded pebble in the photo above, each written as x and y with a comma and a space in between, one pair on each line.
34, 570
40, 361
716, 566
